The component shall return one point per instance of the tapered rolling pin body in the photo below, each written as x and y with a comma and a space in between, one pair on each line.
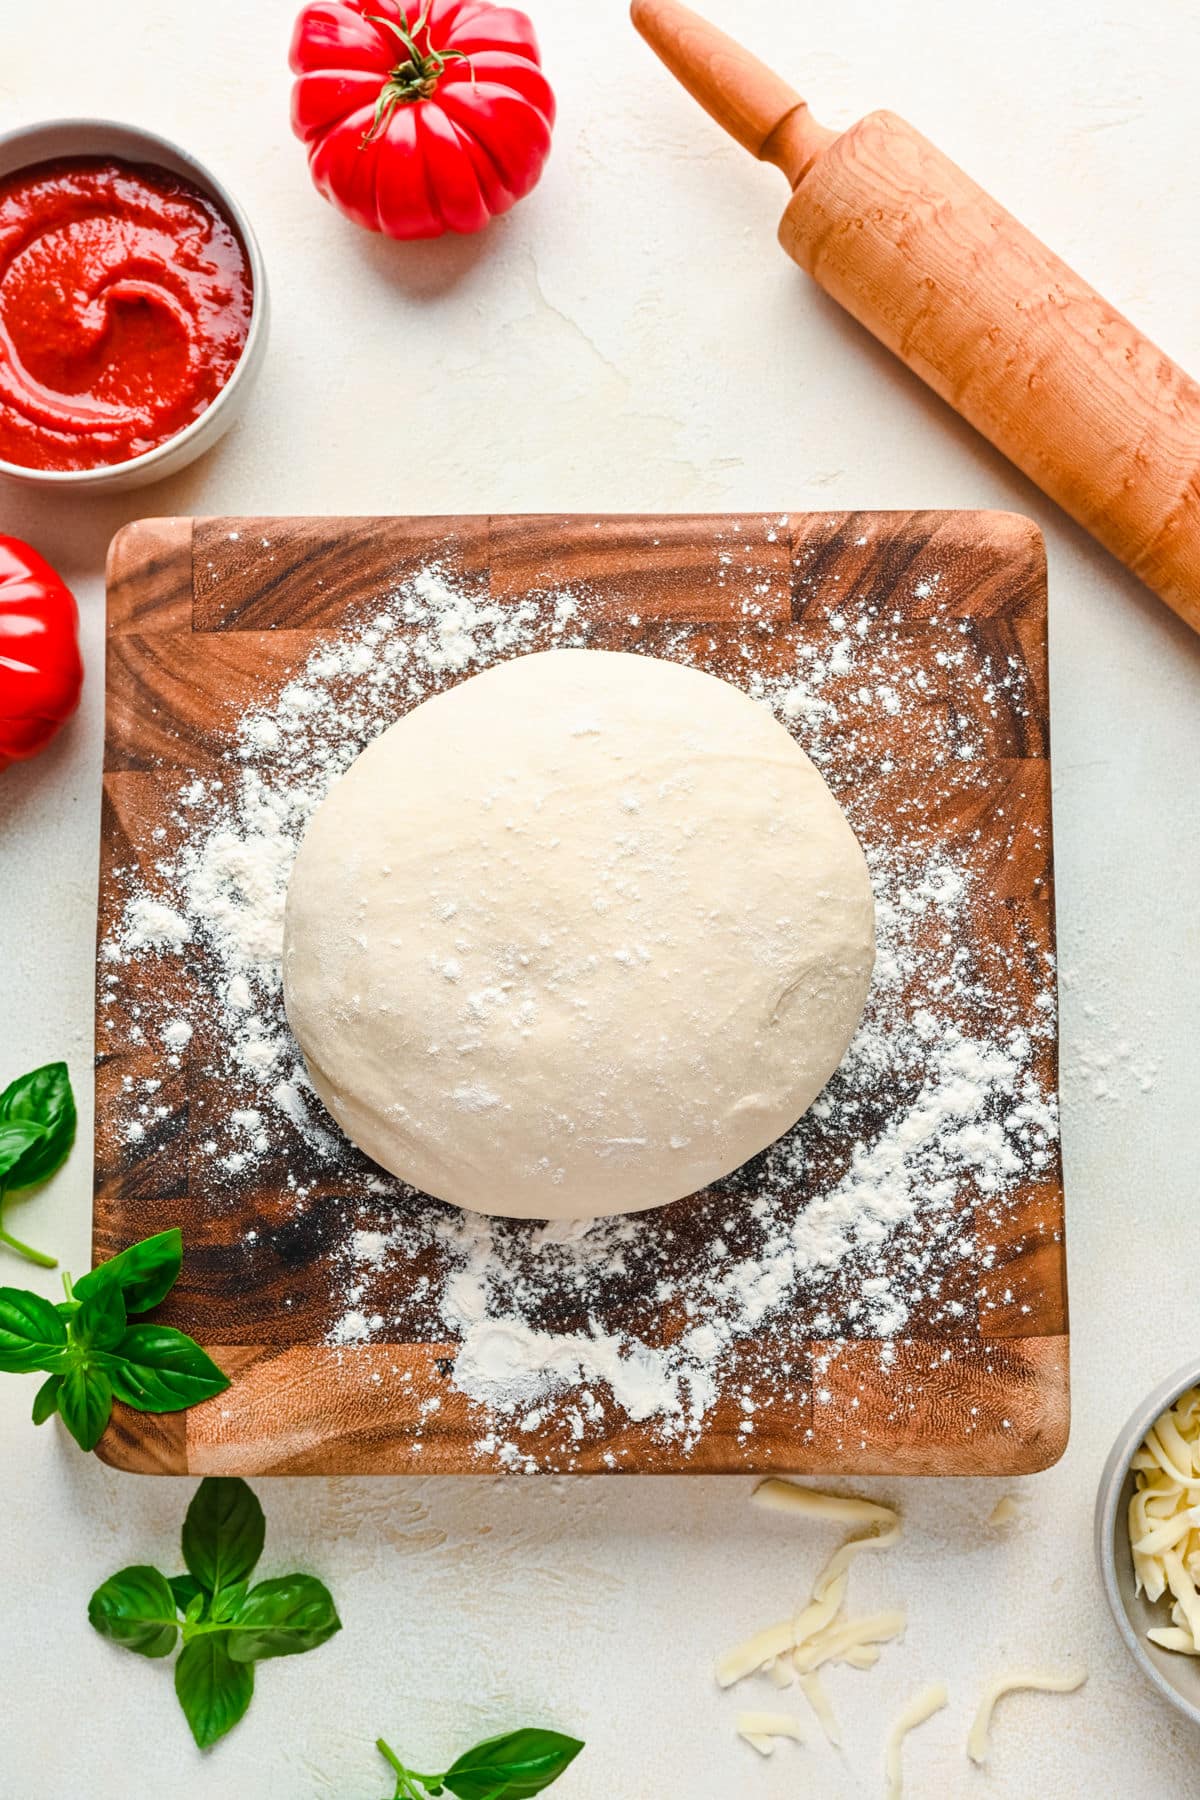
976, 306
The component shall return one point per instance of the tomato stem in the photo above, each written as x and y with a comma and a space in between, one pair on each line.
417, 77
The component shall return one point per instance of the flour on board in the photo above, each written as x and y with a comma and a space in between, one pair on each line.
939, 1097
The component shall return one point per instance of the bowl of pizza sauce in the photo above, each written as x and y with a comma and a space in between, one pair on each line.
133, 306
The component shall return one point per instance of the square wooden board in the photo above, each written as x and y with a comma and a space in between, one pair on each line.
203, 622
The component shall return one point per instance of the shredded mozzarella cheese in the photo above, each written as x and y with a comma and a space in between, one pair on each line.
921, 1707
761, 1730
818, 1699
1164, 1521
845, 1509
1036, 1680
798, 1637
834, 1644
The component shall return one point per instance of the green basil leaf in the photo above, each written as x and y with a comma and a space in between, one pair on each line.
136, 1609
283, 1617
513, 1766
223, 1532
157, 1369
194, 1610
85, 1401
42, 1098
32, 1336
100, 1322
16, 1141
145, 1273
213, 1690
45, 1401
185, 1588
225, 1604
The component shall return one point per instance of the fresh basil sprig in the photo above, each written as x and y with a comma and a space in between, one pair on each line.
513, 1766
37, 1129
91, 1352
226, 1626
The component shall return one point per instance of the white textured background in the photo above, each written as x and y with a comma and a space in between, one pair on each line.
631, 338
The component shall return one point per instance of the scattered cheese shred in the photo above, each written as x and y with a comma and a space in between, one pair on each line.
773, 1725
819, 1613
1004, 1511
761, 1730
844, 1509
838, 1641
815, 1635
883, 1522
818, 1699
1164, 1521
840, 1561
921, 1707
777, 1642
756, 1653
1039, 1681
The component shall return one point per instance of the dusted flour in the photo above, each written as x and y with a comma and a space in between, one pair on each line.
942, 1098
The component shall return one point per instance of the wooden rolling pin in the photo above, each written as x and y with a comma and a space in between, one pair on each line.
974, 304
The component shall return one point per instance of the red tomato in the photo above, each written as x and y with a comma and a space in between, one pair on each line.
420, 122
40, 671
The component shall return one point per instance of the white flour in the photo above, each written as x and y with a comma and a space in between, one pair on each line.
939, 1094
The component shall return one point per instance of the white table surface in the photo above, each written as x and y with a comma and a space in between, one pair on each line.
631, 338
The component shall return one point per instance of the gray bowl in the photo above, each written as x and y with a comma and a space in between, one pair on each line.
101, 137
1176, 1677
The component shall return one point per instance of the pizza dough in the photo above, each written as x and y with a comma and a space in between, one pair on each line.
576, 937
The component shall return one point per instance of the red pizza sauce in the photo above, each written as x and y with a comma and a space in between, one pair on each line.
125, 301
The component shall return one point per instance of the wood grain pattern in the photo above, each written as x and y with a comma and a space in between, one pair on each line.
977, 306
207, 616
746, 98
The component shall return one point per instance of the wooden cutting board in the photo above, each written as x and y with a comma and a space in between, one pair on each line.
207, 616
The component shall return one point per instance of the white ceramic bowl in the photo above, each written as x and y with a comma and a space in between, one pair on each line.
101, 137
1176, 1677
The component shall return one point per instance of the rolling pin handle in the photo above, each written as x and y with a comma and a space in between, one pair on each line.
746, 98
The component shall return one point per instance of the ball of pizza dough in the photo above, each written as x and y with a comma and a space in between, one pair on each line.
577, 937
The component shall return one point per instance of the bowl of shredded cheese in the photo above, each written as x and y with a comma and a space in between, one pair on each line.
1148, 1537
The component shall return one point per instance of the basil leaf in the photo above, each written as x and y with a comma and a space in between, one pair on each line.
194, 1610
43, 1099
213, 1690
136, 1609
100, 1322
185, 1588
32, 1336
16, 1141
225, 1604
513, 1766
283, 1617
145, 1273
223, 1532
45, 1401
157, 1369
43, 1096
85, 1401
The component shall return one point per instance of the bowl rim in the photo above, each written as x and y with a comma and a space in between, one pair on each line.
217, 190
1112, 1484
